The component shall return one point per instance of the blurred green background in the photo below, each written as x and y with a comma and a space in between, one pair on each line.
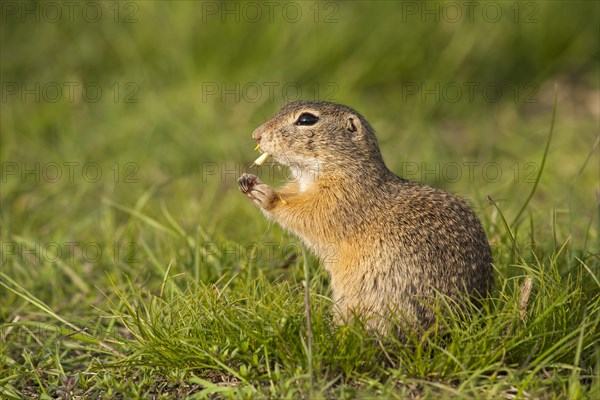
150, 105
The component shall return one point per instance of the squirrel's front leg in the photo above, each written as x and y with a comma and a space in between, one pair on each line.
262, 195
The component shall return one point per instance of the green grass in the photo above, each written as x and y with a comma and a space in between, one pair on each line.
159, 278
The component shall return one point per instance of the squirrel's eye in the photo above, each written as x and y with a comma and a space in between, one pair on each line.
307, 119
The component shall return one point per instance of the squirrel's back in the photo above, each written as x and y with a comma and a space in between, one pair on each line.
422, 242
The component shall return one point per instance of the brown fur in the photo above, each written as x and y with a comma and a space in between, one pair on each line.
388, 243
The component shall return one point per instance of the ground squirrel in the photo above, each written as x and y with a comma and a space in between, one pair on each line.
389, 244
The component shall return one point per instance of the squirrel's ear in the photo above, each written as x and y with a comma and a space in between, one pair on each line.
351, 124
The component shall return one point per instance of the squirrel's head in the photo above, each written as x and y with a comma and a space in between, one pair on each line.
319, 135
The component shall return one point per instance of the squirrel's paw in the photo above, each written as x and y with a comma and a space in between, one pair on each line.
257, 191
247, 181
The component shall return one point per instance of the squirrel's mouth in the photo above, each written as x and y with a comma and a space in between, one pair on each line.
263, 157
298, 163
305, 171
261, 160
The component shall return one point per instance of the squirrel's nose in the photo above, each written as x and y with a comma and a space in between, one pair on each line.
257, 135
